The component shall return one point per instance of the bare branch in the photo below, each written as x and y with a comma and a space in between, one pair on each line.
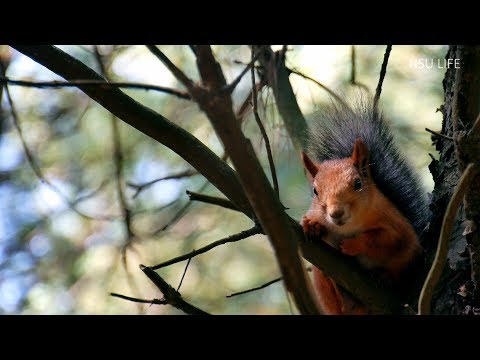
256, 288
171, 66
339, 267
142, 301
262, 130
277, 77
225, 203
183, 276
438, 134
353, 75
145, 120
171, 296
270, 212
230, 87
383, 71
118, 168
180, 213
39, 173
155, 209
346, 272
98, 83
233, 238
246, 104
324, 87
180, 175
424, 302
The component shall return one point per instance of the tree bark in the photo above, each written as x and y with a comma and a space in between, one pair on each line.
455, 293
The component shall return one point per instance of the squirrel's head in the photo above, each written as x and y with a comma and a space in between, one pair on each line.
341, 188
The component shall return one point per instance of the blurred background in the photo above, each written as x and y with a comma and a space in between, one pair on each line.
63, 243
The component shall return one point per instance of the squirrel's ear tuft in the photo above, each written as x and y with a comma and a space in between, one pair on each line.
312, 169
360, 157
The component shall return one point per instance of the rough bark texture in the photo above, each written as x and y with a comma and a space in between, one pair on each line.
454, 293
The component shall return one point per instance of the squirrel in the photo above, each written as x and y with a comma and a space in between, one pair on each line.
368, 202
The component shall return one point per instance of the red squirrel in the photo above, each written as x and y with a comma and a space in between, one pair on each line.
367, 201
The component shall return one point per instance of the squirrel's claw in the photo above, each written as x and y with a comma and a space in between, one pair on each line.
312, 229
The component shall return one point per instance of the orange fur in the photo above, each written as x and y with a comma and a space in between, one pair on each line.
370, 227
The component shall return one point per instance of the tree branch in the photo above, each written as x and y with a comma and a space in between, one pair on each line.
277, 74
118, 168
171, 66
38, 171
262, 130
183, 275
270, 212
233, 238
353, 75
145, 120
180, 213
263, 286
215, 170
346, 272
171, 296
438, 134
383, 71
324, 87
425, 300
142, 301
225, 203
230, 87
180, 175
75, 83
465, 112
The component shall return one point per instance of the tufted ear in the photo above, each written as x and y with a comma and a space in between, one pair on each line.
309, 165
360, 158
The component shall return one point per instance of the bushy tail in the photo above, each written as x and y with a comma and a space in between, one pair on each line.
332, 135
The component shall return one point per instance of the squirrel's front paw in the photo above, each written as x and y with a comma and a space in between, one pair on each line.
352, 247
312, 228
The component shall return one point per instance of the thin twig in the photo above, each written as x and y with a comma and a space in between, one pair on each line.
184, 272
179, 75
171, 296
225, 203
268, 283
180, 175
255, 183
425, 299
154, 209
179, 214
256, 288
242, 235
247, 102
38, 172
230, 87
324, 87
262, 129
438, 134
353, 75
142, 301
383, 71
56, 84
119, 178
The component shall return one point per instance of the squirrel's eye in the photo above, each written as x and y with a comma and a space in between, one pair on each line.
357, 184
315, 191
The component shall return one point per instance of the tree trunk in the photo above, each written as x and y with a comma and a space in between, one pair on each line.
455, 292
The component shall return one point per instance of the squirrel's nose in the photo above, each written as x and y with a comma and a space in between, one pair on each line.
337, 214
